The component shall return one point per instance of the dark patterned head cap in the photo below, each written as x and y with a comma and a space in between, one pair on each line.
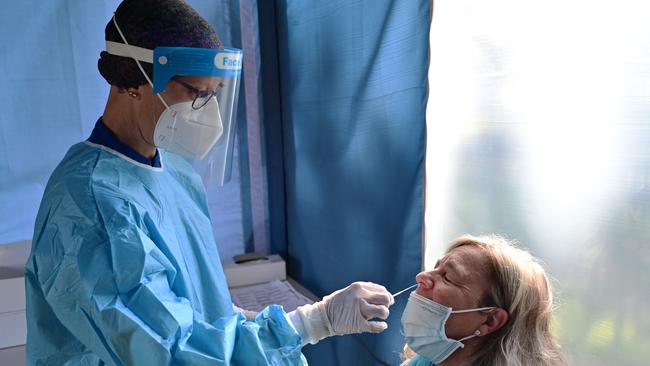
150, 24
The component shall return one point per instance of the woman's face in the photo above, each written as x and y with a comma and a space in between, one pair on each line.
459, 282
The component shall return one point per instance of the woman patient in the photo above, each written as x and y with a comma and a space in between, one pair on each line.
486, 302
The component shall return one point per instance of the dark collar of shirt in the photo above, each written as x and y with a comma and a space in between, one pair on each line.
101, 135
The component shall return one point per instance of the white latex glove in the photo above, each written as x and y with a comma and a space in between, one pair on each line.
345, 311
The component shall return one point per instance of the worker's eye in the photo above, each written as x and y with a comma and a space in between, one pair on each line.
204, 93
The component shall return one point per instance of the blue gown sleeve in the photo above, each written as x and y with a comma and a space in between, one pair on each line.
111, 287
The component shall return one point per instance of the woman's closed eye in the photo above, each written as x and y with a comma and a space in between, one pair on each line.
444, 275
447, 279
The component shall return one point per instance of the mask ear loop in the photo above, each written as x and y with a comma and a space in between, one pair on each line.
138, 62
476, 334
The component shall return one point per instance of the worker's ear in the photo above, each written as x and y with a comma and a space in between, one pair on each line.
494, 321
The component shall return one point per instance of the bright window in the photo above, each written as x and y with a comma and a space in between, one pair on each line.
538, 128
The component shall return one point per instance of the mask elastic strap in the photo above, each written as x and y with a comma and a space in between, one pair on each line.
476, 334
471, 310
137, 62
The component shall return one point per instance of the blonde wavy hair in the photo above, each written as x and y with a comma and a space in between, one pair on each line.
518, 284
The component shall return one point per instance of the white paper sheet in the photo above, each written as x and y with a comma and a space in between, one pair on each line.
257, 297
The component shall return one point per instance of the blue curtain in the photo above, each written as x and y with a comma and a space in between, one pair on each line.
50, 98
353, 89
52, 94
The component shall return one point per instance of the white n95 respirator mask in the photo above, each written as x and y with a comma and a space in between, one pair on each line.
187, 131
423, 326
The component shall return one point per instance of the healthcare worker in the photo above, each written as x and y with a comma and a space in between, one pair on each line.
124, 269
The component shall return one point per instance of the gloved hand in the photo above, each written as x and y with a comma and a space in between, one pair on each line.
345, 311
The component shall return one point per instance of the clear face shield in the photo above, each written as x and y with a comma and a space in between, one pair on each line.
216, 166
203, 127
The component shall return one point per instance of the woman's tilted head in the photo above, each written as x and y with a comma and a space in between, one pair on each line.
491, 272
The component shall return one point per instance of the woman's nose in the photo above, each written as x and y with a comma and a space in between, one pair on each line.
424, 279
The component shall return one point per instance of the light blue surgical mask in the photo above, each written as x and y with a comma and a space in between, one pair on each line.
423, 326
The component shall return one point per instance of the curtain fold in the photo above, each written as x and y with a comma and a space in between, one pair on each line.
353, 87
51, 97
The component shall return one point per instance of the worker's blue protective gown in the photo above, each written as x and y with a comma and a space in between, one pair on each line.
124, 270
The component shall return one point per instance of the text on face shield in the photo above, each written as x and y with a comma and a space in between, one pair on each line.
229, 61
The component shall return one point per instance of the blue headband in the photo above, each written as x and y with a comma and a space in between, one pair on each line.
185, 61
182, 61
